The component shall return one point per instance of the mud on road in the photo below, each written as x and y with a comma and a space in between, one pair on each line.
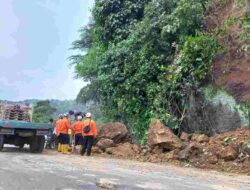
51, 170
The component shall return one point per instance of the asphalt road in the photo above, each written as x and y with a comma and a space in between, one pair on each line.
20, 170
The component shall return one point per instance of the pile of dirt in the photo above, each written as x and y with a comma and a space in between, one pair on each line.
229, 151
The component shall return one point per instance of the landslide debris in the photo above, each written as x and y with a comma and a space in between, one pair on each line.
229, 151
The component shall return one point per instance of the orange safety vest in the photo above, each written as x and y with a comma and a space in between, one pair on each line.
65, 126
58, 126
77, 127
93, 130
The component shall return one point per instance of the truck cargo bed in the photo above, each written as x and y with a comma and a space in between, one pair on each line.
24, 125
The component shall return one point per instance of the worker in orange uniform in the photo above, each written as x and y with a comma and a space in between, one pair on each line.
57, 130
65, 126
77, 129
89, 133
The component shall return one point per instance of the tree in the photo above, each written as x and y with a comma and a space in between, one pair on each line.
43, 111
144, 55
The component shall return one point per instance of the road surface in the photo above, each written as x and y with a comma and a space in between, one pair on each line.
20, 170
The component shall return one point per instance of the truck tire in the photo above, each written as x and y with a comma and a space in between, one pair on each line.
1, 142
21, 145
37, 144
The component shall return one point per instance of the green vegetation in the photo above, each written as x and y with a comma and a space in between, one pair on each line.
143, 59
42, 112
61, 106
245, 109
245, 21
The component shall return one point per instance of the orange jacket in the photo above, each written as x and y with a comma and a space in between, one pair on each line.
65, 126
93, 131
58, 126
77, 127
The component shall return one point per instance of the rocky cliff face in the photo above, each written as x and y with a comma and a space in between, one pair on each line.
205, 116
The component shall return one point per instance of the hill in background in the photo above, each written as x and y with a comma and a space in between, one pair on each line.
61, 106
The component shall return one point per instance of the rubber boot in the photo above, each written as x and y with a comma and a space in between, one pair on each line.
66, 149
62, 148
59, 148
73, 149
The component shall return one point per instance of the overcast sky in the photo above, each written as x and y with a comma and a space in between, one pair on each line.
35, 36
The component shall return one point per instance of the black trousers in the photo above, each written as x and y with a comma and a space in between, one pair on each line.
87, 144
78, 139
63, 138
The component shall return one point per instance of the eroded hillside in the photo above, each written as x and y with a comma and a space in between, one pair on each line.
230, 21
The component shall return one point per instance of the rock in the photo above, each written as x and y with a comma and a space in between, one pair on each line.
247, 162
96, 150
107, 184
228, 153
212, 159
184, 136
124, 150
246, 147
161, 135
105, 143
157, 150
154, 158
136, 148
110, 150
200, 138
172, 155
200, 112
146, 148
144, 151
190, 151
117, 132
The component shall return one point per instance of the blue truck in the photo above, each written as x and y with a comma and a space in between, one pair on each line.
19, 131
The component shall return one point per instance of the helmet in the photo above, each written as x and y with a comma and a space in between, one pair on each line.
79, 117
88, 115
60, 116
65, 115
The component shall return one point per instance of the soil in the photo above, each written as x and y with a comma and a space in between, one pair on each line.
223, 152
231, 69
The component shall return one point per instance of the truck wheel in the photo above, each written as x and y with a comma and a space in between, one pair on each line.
1, 142
37, 144
21, 146
40, 145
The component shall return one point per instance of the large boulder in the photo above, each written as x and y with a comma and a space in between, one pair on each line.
212, 159
190, 151
160, 135
105, 143
229, 153
209, 117
117, 132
